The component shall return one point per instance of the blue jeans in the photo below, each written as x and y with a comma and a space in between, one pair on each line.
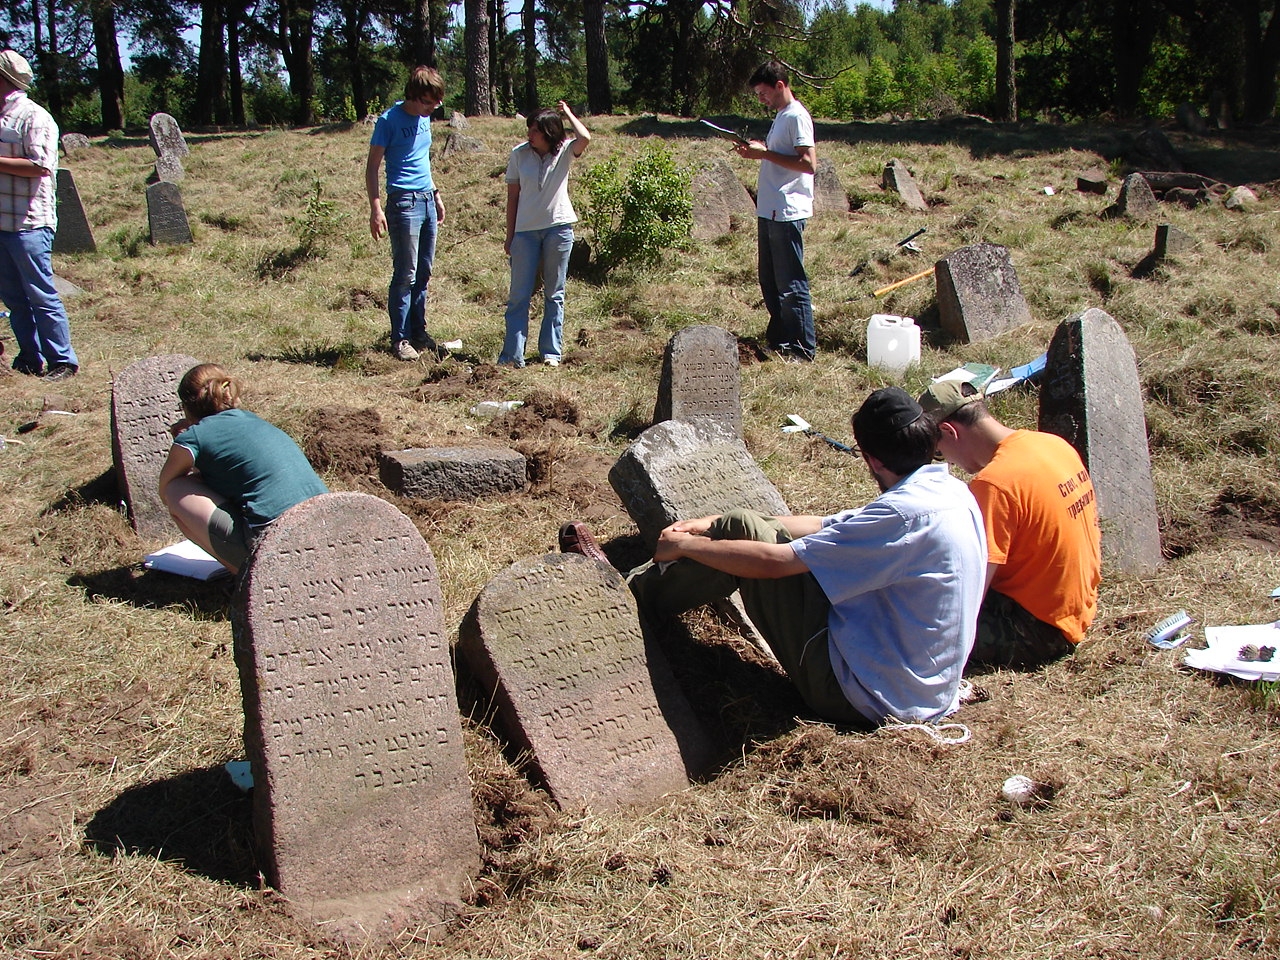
411, 224
533, 250
785, 286
36, 313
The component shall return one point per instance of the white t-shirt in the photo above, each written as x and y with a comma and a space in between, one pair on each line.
544, 187
783, 194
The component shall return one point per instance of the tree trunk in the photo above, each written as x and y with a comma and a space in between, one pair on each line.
529, 28
599, 96
496, 66
1133, 29
50, 82
1006, 82
211, 71
235, 16
476, 42
1261, 59
422, 42
110, 73
297, 24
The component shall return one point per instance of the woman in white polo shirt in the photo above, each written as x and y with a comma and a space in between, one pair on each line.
540, 222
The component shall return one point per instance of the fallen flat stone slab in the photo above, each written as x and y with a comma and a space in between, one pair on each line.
701, 378
452, 473
1092, 181
899, 179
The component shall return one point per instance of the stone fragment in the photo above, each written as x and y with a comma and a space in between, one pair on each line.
71, 142
73, 235
66, 289
166, 136
1092, 180
1152, 151
700, 378
556, 643
144, 404
1172, 242
452, 473
1239, 198
459, 121
979, 295
829, 195
461, 143
1091, 396
1136, 200
361, 803
166, 216
898, 179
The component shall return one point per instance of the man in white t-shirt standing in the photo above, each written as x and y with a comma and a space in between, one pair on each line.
784, 203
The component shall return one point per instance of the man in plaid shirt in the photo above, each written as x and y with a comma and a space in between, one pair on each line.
28, 217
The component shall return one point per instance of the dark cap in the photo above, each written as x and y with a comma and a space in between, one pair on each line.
881, 416
944, 398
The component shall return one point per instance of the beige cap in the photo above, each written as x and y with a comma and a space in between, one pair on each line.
944, 398
15, 69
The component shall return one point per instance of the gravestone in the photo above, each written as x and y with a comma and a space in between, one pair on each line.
700, 378
828, 192
1092, 180
66, 289
459, 121
1136, 199
979, 295
71, 142
169, 168
555, 641
361, 805
166, 136
1091, 396
166, 215
144, 404
719, 198
678, 469
898, 179
461, 143
1172, 242
73, 235
452, 473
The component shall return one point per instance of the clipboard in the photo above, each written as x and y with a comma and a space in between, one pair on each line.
727, 134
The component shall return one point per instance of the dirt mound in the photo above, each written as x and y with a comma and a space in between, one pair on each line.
344, 441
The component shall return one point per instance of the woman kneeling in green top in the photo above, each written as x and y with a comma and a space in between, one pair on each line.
229, 472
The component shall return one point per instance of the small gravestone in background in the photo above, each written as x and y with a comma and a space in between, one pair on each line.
828, 192
556, 643
169, 167
166, 215
452, 473
461, 143
898, 179
144, 404
1092, 180
719, 198
361, 804
1091, 396
166, 136
676, 470
1136, 199
979, 295
71, 142
700, 378
73, 235
1172, 242
459, 121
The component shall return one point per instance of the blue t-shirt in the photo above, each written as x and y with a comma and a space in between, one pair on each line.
406, 141
253, 464
905, 576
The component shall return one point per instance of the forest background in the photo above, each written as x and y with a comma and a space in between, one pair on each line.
107, 65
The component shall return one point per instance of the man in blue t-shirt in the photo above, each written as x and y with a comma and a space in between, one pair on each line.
402, 136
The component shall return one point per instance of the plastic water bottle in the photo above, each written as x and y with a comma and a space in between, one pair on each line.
491, 408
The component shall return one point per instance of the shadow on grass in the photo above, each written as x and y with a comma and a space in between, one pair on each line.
343, 355
104, 488
150, 590
199, 820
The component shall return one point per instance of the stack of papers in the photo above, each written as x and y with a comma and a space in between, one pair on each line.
187, 560
1226, 646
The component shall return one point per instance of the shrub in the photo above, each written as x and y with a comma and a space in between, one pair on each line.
634, 219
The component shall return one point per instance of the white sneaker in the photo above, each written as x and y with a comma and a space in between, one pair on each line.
551, 361
405, 351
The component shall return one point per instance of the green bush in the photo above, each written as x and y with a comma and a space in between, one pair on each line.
634, 219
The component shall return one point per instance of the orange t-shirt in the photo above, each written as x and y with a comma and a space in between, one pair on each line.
1041, 517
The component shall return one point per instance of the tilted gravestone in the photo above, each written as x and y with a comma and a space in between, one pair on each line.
898, 179
166, 216
361, 805
1091, 396
677, 470
829, 195
452, 473
72, 142
144, 404
701, 378
74, 235
166, 136
555, 641
1172, 242
1135, 200
169, 168
719, 199
979, 295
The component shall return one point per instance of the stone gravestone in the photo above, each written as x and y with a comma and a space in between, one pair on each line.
719, 198
898, 179
556, 643
1091, 396
700, 378
979, 295
1092, 180
681, 469
169, 167
361, 805
828, 192
166, 136
144, 404
1172, 242
461, 143
72, 142
452, 473
166, 215
1135, 200
74, 235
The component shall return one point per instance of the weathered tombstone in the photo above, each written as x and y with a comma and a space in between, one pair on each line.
1092, 180
556, 643
166, 136
1136, 199
898, 179
1091, 397
361, 805
701, 378
71, 142
1239, 198
459, 121
718, 199
679, 469
1171, 242
169, 167
144, 404
452, 473
166, 216
979, 295
461, 143
828, 192
74, 235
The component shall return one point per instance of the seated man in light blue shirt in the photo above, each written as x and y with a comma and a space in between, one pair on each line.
872, 611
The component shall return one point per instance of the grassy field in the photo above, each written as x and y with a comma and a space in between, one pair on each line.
119, 702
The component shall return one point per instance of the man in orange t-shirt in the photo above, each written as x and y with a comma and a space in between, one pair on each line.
1043, 541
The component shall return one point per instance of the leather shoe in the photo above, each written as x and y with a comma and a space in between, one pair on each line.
576, 538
